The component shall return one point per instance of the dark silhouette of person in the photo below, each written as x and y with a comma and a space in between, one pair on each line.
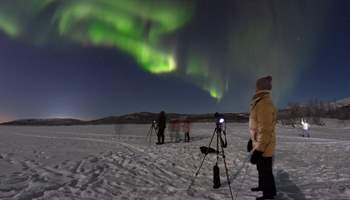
161, 127
262, 122
186, 129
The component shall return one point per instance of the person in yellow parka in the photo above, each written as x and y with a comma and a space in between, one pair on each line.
262, 122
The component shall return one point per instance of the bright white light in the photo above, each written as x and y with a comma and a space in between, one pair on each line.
221, 120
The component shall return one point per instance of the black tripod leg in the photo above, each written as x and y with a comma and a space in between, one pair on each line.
149, 134
227, 176
211, 140
199, 168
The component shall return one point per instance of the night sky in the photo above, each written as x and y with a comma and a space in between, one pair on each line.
87, 59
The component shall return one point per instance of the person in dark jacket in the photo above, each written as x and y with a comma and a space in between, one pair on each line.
161, 127
262, 122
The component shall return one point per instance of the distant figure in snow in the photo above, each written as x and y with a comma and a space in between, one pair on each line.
187, 128
177, 129
306, 127
174, 129
171, 130
161, 127
262, 122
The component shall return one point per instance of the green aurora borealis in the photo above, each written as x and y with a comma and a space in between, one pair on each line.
134, 26
251, 40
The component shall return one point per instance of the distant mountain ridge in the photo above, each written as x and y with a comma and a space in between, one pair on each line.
138, 118
48, 121
341, 111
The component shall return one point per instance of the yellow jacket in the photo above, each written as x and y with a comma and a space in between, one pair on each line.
262, 122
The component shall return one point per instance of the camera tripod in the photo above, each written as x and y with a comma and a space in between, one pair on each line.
152, 129
220, 145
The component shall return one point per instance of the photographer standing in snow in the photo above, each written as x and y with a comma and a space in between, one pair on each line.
161, 127
262, 122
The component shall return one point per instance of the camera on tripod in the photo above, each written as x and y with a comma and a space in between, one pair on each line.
152, 130
221, 128
154, 123
220, 120
221, 143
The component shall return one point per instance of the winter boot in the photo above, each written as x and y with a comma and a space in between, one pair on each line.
265, 197
256, 189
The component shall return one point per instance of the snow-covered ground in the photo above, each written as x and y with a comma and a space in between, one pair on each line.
108, 162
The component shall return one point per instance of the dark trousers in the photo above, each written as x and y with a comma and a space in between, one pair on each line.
266, 179
160, 135
187, 136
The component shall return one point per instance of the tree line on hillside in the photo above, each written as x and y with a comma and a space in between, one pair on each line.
313, 111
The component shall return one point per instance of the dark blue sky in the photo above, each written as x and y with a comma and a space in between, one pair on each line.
72, 80
327, 76
86, 82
